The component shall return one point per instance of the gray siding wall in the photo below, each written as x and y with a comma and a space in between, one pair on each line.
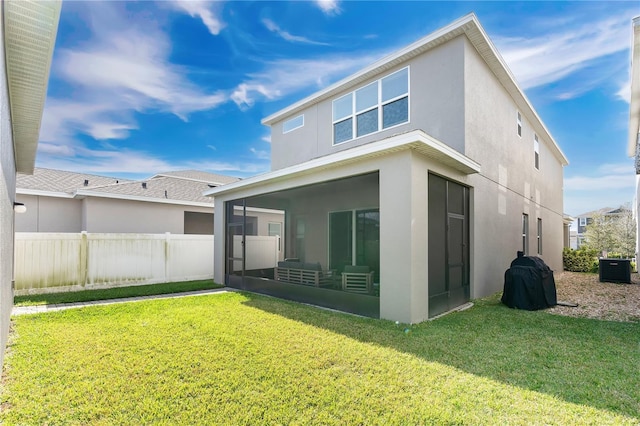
436, 105
7, 196
509, 185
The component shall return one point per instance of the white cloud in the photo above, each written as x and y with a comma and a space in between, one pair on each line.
606, 176
329, 7
537, 61
273, 27
134, 162
260, 154
207, 11
624, 93
122, 70
287, 76
267, 138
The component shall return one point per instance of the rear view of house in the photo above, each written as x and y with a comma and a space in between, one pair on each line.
407, 188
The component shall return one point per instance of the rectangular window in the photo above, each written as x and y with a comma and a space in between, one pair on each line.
372, 108
294, 123
525, 234
275, 230
582, 221
539, 236
536, 152
519, 124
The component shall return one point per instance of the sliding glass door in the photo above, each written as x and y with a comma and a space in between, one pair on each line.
354, 239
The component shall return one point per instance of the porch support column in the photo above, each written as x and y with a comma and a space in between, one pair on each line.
403, 237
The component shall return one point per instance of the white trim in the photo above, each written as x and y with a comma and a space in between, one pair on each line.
84, 193
415, 139
41, 193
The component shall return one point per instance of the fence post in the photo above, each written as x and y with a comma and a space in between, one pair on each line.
167, 242
84, 258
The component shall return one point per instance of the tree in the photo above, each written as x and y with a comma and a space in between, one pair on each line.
613, 232
625, 234
599, 234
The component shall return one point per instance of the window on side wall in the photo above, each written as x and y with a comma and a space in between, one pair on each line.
293, 124
372, 108
539, 236
525, 234
519, 123
536, 152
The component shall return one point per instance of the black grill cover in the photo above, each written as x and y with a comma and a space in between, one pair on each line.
529, 284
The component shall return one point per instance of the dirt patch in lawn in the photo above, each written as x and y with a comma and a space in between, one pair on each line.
607, 301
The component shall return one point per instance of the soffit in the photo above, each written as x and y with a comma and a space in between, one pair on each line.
30, 29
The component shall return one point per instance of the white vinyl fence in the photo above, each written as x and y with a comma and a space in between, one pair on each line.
56, 262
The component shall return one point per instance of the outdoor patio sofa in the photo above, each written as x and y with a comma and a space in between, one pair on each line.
304, 273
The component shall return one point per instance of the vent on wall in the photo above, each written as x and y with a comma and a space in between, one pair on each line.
144, 185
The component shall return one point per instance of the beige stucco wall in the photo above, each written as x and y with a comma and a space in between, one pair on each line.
49, 214
435, 106
509, 185
7, 194
115, 215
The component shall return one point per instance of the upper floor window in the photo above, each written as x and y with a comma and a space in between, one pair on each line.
582, 221
376, 106
519, 124
536, 152
293, 124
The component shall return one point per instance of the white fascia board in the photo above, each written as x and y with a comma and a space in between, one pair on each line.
83, 193
415, 139
634, 103
41, 193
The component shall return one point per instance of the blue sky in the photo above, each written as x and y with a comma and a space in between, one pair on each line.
139, 88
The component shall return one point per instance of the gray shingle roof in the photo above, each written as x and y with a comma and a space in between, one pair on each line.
60, 180
187, 185
200, 176
159, 187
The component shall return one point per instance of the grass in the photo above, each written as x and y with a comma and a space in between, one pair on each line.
114, 293
236, 358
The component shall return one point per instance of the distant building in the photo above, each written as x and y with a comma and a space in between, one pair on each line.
585, 219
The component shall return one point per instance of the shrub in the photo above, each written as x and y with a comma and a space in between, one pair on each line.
583, 260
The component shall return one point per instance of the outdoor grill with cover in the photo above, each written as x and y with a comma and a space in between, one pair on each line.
529, 284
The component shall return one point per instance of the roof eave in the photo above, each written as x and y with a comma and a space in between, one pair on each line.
30, 30
468, 25
416, 140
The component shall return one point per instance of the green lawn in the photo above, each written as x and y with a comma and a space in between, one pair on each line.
114, 293
236, 358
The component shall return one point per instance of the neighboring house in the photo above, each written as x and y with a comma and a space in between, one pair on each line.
430, 167
61, 201
27, 37
567, 236
585, 219
633, 145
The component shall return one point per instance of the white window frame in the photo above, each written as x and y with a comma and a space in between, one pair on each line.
380, 104
284, 125
519, 124
536, 152
539, 236
582, 221
525, 234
